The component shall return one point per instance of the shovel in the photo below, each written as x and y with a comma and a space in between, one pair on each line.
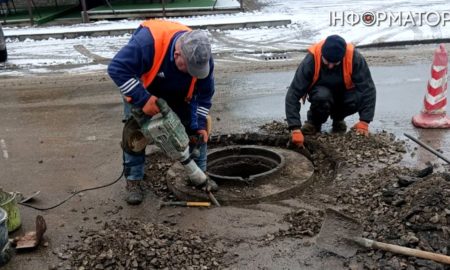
29, 197
341, 235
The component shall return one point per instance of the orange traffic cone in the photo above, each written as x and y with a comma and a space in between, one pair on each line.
433, 114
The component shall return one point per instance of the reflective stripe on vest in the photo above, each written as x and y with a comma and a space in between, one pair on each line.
347, 63
163, 32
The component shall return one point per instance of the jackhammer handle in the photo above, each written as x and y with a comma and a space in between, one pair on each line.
163, 107
139, 115
403, 250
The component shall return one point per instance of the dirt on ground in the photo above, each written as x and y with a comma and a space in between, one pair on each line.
132, 244
404, 206
394, 204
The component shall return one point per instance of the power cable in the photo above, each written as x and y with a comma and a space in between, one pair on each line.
73, 194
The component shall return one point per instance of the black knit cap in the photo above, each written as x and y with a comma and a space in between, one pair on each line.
333, 50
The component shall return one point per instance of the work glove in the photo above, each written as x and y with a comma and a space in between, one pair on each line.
151, 108
204, 134
297, 137
362, 128
194, 141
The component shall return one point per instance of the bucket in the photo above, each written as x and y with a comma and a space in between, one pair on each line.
3, 229
5, 250
9, 204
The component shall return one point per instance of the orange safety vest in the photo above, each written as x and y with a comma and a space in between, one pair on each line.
163, 32
347, 63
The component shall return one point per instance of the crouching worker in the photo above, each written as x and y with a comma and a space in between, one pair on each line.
338, 83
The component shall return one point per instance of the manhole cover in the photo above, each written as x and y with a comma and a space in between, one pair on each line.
247, 174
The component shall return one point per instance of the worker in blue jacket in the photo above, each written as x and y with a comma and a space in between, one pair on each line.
166, 60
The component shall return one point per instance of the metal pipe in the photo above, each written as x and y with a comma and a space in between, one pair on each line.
163, 2
439, 155
30, 11
213, 198
84, 14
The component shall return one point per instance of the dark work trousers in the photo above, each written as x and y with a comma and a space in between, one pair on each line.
326, 102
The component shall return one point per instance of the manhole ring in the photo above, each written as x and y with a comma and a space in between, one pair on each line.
246, 163
289, 179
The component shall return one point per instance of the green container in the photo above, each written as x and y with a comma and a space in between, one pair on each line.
9, 204
5, 250
3, 229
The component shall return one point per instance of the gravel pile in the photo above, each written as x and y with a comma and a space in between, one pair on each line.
358, 150
155, 174
395, 204
415, 216
303, 222
275, 128
137, 245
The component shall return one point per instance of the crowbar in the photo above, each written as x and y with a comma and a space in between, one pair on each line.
427, 147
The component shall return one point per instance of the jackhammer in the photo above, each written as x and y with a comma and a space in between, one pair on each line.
167, 132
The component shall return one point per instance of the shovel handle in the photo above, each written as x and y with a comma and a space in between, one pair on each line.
403, 250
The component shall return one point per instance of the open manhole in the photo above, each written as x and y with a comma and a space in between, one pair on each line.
243, 164
247, 174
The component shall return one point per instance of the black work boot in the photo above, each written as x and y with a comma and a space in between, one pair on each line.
135, 194
310, 129
339, 126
